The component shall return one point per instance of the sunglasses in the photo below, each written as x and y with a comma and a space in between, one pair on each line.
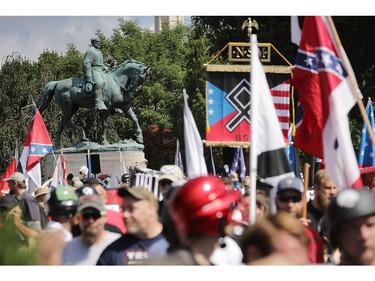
91, 215
286, 199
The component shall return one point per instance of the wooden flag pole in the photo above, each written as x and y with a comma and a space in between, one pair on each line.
353, 80
54, 166
305, 186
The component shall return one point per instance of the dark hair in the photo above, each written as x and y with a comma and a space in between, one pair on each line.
70, 176
124, 176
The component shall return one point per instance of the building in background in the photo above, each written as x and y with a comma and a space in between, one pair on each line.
172, 21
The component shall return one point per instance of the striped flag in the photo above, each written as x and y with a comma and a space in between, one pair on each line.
38, 141
37, 145
281, 97
12, 168
366, 149
326, 96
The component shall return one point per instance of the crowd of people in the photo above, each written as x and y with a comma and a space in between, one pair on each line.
198, 221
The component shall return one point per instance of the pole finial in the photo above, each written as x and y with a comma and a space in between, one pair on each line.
250, 24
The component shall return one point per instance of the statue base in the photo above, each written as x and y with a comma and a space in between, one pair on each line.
109, 159
125, 145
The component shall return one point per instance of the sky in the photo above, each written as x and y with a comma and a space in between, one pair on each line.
28, 36
29, 27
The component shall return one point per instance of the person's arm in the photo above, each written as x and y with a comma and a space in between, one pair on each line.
87, 63
15, 214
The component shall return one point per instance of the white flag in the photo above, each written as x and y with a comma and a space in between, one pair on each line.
295, 30
57, 177
268, 158
115, 179
194, 156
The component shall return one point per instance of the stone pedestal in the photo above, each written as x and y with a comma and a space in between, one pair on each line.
109, 161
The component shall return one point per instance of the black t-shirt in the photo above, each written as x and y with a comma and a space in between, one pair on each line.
314, 215
130, 250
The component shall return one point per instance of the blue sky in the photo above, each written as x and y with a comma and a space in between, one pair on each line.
29, 27
28, 36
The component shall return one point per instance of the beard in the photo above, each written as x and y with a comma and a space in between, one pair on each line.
323, 202
90, 235
364, 257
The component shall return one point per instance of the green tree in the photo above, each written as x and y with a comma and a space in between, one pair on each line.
16, 85
177, 57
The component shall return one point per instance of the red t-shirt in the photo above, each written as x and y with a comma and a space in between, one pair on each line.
315, 247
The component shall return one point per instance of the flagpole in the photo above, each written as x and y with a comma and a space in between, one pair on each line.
253, 137
353, 81
305, 188
54, 166
89, 163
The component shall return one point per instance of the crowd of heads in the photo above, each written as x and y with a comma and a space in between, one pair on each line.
204, 220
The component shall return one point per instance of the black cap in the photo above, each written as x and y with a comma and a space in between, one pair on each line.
349, 204
92, 181
261, 185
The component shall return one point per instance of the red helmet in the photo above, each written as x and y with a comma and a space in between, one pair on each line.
198, 205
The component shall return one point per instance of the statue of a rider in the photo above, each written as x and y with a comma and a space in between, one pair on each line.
93, 69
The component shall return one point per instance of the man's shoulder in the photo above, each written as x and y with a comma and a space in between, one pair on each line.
112, 236
311, 208
26, 196
73, 244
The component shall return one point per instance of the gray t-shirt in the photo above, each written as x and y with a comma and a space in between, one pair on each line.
77, 253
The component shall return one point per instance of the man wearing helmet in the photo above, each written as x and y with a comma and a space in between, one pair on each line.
62, 207
351, 217
93, 68
199, 210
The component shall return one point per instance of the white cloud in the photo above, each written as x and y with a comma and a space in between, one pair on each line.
30, 35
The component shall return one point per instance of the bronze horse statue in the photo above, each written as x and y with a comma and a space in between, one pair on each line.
70, 94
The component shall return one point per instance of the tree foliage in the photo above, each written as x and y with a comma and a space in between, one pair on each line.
177, 57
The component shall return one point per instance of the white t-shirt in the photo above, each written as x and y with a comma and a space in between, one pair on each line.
77, 253
231, 254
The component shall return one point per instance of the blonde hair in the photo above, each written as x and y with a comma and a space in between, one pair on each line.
319, 176
263, 232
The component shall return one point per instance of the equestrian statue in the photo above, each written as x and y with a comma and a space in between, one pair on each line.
108, 92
